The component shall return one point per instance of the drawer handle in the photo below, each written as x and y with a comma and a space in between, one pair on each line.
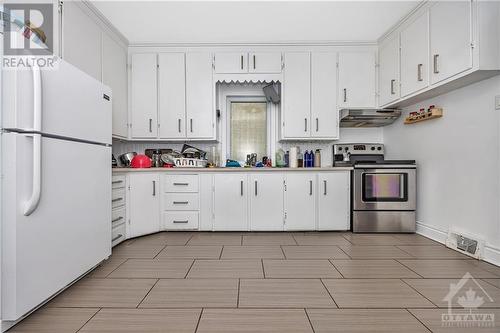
117, 181
183, 221
181, 202
117, 199
117, 219
117, 237
181, 184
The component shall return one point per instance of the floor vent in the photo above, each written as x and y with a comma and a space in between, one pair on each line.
466, 244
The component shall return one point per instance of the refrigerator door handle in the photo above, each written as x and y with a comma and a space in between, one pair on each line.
37, 99
32, 203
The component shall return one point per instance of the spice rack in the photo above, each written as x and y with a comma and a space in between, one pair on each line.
431, 113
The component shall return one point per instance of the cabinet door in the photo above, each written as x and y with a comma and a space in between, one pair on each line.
114, 75
263, 62
172, 95
450, 37
144, 96
299, 201
81, 40
415, 56
324, 113
334, 200
230, 202
388, 79
231, 63
296, 112
144, 202
266, 201
357, 79
200, 114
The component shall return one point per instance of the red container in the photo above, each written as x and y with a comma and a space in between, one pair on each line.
141, 161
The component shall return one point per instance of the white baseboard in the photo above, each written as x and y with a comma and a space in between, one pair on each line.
491, 253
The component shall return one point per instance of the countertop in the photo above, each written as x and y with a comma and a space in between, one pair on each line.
200, 170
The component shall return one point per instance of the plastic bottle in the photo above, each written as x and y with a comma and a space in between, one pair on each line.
300, 160
306, 159
311, 159
287, 159
317, 159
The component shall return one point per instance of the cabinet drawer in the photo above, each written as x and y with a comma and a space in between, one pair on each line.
118, 216
181, 201
180, 220
118, 198
118, 234
118, 182
181, 183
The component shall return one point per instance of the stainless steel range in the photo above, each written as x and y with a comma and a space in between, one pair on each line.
383, 191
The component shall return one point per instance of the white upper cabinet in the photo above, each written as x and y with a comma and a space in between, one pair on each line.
200, 111
265, 62
114, 75
266, 201
357, 79
388, 80
415, 55
324, 113
172, 95
144, 198
450, 39
81, 40
230, 202
231, 62
144, 96
300, 201
333, 200
296, 105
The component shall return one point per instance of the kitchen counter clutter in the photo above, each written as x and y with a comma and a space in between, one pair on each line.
236, 199
229, 169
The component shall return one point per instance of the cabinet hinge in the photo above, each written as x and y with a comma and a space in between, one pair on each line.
377, 65
472, 45
59, 6
284, 185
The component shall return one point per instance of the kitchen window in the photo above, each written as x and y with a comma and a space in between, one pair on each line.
248, 128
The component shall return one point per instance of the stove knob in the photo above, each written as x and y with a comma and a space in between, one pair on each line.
340, 148
379, 148
346, 148
373, 148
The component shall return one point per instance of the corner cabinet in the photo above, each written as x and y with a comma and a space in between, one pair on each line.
388, 80
357, 79
309, 108
144, 201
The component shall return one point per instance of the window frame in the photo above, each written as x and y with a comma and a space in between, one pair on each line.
248, 99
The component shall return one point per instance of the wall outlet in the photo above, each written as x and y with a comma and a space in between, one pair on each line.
497, 102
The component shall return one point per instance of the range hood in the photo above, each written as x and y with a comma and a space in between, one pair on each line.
368, 117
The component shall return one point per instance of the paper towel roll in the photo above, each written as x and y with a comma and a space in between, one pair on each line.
294, 151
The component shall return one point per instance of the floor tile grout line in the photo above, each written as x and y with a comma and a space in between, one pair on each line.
107, 275
238, 298
187, 242
189, 270
147, 294
341, 249
309, 319
421, 276
282, 250
163, 248
330, 294
221, 251
335, 267
199, 320
421, 322
435, 305
263, 270
78, 330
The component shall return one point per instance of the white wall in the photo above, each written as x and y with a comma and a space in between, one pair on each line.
458, 163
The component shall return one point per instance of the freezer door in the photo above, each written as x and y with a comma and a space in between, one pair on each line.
73, 104
67, 234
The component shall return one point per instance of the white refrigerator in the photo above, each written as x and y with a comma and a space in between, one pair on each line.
55, 184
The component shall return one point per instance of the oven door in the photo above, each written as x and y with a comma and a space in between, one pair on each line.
384, 189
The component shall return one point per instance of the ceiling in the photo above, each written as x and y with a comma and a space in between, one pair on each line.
253, 21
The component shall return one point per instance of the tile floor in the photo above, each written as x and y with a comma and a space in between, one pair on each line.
273, 282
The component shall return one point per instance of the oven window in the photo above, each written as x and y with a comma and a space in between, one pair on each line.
385, 187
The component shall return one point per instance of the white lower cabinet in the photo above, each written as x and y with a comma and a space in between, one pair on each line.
300, 212
230, 202
266, 201
334, 210
144, 200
